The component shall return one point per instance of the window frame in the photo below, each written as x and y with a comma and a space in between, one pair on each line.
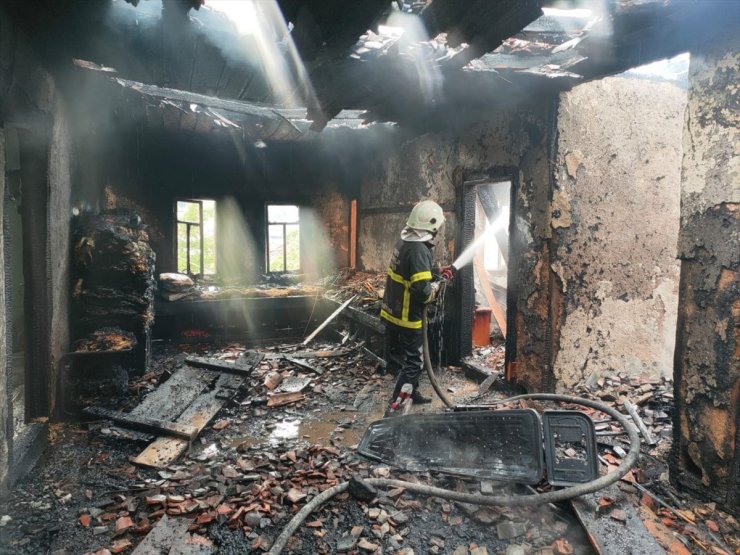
285, 225
176, 224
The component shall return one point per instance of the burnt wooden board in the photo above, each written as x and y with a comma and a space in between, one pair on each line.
163, 451
242, 367
165, 533
170, 398
145, 424
612, 537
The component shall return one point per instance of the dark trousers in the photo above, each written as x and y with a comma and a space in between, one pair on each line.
403, 356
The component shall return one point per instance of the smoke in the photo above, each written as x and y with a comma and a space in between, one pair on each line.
318, 257
238, 256
251, 34
414, 43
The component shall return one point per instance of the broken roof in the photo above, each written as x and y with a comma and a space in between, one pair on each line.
396, 61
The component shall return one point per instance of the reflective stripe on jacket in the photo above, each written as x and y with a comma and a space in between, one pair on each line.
408, 285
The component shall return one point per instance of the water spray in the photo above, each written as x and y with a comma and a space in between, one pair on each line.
467, 255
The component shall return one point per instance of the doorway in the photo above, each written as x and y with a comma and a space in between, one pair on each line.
491, 261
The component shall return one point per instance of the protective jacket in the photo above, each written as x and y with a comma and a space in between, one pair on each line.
408, 286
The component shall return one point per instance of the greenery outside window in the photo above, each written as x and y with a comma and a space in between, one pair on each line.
283, 238
196, 237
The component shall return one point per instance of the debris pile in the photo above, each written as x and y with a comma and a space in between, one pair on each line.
175, 287
289, 435
368, 287
114, 277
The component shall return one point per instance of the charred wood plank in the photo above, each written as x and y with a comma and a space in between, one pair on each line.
163, 451
241, 367
306, 366
168, 401
144, 424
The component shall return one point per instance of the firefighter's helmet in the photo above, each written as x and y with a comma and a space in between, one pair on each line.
427, 215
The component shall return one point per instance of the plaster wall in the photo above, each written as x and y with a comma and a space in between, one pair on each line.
707, 363
615, 219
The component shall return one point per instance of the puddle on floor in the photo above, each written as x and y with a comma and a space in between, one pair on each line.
345, 427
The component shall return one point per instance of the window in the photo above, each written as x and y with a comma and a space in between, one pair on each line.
283, 238
196, 237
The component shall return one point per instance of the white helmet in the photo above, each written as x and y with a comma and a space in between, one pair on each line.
426, 215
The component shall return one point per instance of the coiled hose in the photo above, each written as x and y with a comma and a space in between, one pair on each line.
475, 498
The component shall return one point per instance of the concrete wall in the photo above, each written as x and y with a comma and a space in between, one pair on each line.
615, 217
435, 165
707, 363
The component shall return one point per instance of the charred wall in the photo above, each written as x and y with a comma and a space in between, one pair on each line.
615, 216
505, 141
148, 170
32, 105
707, 361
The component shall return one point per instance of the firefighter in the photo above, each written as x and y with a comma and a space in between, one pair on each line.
409, 287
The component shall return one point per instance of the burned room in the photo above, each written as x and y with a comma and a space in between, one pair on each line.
387, 277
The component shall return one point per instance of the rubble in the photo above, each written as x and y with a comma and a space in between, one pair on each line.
257, 464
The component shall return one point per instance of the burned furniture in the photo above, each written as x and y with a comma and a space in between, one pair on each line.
504, 445
113, 284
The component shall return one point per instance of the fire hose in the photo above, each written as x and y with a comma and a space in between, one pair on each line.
476, 498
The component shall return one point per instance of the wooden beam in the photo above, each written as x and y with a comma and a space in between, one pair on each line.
328, 320
143, 424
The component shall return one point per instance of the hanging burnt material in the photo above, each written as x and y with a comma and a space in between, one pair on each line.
114, 282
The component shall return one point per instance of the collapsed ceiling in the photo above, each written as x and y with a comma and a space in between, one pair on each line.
391, 61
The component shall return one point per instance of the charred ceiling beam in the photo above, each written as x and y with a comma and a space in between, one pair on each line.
177, 110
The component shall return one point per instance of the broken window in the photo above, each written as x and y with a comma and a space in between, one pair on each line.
196, 237
283, 238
